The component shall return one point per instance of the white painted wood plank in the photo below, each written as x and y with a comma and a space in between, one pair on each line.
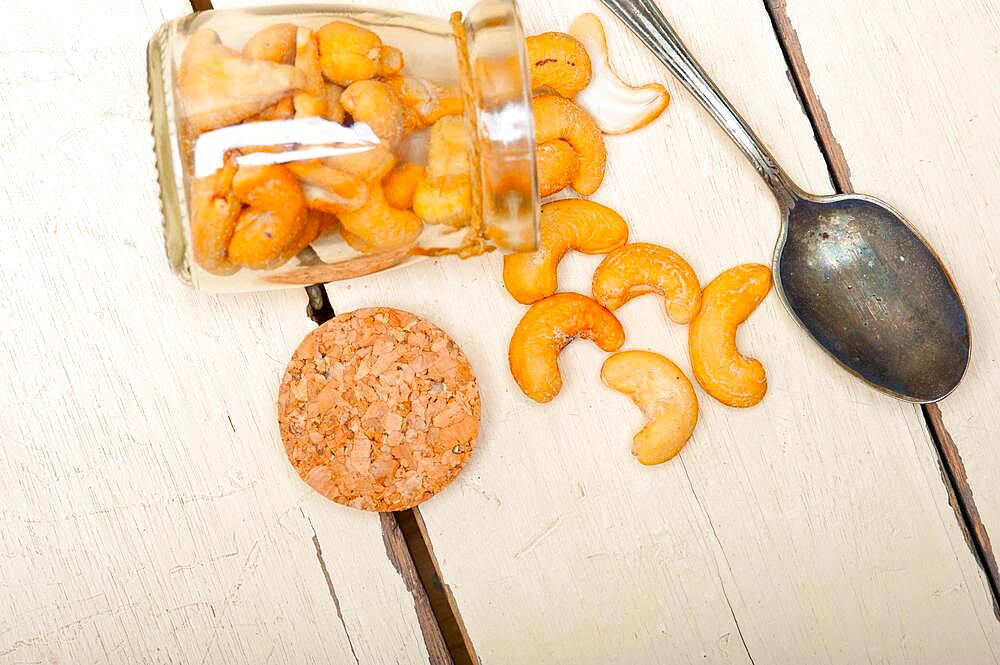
914, 104
816, 521
147, 512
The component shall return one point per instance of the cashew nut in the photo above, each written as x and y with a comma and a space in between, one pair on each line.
559, 62
274, 218
372, 164
547, 327
577, 224
428, 100
214, 211
616, 107
719, 367
641, 268
375, 104
313, 224
328, 189
275, 43
444, 200
377, 226
558, 118
557, 165
665, 396
334, 110
401, 183
348, 52
219, 87
390, 61
312, 100
280, 110
444, 196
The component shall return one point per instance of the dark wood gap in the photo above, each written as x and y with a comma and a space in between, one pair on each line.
438, 593
444, 612
950, 461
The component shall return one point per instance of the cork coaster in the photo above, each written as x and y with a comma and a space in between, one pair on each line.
378, 409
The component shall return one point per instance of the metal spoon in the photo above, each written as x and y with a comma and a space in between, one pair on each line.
851, 270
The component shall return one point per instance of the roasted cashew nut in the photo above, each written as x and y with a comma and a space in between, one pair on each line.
427, 100
557, 164
375, 104
444, 196
348, 52
401, 184
558, 62
558, 118
214, 211
719, 367
641, 268
576, 224
274, 217
444, 200
616, 107
547, 327
312, 100
275, 43
219, 87
377, 226
327, 189
665, 396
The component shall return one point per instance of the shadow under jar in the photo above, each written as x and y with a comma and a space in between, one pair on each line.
314, 143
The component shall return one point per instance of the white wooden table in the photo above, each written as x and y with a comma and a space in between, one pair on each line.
147, 514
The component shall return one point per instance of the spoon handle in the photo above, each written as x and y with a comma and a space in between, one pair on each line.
648, 23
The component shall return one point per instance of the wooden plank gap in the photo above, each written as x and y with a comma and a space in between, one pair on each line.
953, 473
840, 172
398, 552
962, 500
442, 601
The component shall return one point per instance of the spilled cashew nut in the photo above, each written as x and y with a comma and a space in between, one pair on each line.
616, 107
557, 165
273, 219
641, 268
219, 87
558, 62
558, 118
719, 367
663, 394
401, 183
348, 52
576, 224
547, 327
375, 104
377, 226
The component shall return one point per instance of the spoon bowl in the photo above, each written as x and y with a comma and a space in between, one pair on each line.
851, 270
873, 294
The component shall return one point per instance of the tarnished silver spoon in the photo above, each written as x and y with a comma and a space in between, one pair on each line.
851, 270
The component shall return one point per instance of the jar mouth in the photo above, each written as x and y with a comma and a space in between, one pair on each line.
496, 83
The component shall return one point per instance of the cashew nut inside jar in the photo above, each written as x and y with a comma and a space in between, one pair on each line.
297, 145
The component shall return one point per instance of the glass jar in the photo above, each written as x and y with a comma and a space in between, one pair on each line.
312, 143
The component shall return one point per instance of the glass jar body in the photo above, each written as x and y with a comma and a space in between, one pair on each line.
313, 143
